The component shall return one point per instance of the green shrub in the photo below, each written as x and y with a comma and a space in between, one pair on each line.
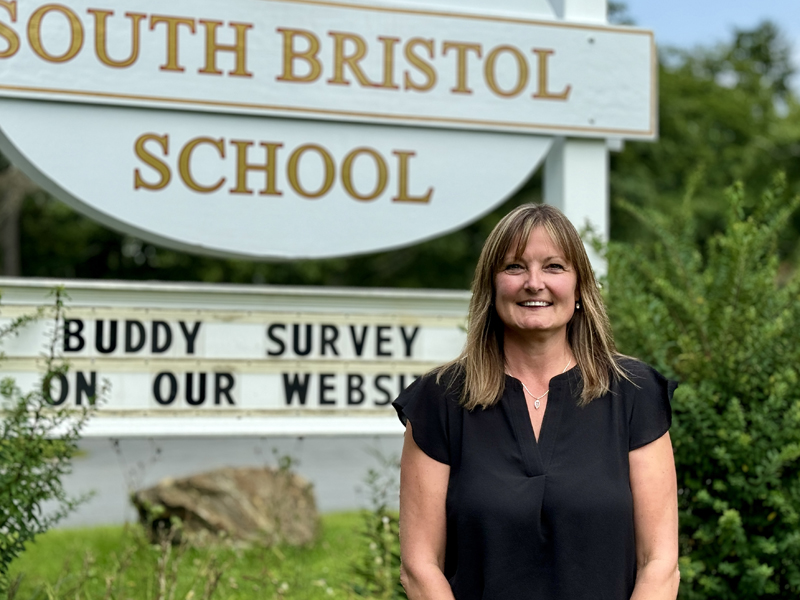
724, 319
37, 443
376, 568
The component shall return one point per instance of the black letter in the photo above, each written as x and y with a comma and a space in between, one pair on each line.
47, 388
358, 343
129, 327
387, 396
173, 388
271, 335
223, 384
190, 335
85, 388
329, 340
69, 334
290, 388
98, 337
358, 387
381, 339
201, 397
296, 340
154, 346
324, 386
408, 340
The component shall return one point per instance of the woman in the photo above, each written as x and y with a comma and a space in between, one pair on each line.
538, 464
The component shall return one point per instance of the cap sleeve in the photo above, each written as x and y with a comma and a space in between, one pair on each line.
424, 403
651, 413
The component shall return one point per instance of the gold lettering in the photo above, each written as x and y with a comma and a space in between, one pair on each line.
461, 49
388, 63
242, 167
150, 159
290, 55
101, 37
35, 33
239, 48
491, 76
294, 179
172, 25
402, 180
11, 37
186, 158
420, 63
541, 90
341, 60
347, 174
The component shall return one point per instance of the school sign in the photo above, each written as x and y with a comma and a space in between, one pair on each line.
314, 128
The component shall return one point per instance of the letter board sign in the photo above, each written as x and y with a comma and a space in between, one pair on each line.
194, 358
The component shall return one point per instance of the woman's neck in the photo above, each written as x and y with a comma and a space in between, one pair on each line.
536, 358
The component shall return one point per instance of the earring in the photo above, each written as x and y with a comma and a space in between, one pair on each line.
578, 305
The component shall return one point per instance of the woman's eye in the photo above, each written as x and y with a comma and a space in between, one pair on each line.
514, 267
555, 267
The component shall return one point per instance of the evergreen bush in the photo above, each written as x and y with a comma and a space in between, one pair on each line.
723, 318
37, 443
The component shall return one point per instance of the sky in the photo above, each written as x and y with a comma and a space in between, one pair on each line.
688, 23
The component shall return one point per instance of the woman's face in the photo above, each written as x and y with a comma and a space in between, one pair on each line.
536, 292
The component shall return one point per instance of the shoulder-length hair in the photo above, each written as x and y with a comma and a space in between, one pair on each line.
588, 331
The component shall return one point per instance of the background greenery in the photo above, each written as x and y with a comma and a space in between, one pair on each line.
116, 562
718, 318
37, 444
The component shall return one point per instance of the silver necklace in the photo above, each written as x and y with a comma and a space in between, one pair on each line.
537, 399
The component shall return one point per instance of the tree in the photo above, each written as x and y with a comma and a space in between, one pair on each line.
14, 186
717, 318
37, 443
725, 112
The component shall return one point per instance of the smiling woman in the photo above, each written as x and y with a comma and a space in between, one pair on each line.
538, 464
536, 290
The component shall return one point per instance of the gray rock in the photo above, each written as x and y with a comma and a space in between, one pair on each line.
248, 505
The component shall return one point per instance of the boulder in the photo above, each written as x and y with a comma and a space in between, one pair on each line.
249, 505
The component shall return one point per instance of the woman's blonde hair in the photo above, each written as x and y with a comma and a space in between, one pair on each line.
588, 331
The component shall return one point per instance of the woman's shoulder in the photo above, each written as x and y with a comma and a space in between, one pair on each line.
637, 372
431, 404
647, 396
444, 382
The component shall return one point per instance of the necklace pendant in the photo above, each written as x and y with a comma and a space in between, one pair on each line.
536, 404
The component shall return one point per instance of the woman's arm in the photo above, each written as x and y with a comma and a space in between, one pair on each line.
423, 490
655, 516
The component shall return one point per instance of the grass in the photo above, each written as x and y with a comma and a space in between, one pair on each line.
117, 563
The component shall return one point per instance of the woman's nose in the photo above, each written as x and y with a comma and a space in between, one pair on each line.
533, 280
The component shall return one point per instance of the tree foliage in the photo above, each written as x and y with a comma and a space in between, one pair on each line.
717, 318
37, 443
727, 110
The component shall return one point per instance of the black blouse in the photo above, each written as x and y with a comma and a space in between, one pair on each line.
550, 519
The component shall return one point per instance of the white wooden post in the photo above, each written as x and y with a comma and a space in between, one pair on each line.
576, 170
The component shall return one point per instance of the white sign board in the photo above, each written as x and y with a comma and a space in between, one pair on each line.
189, 359
322, 60
304, 128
